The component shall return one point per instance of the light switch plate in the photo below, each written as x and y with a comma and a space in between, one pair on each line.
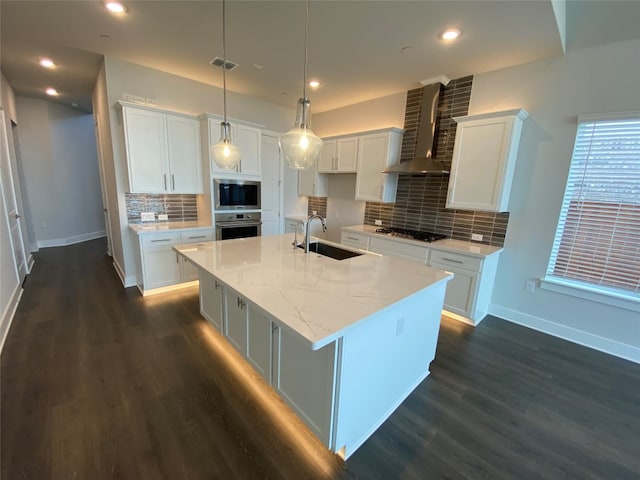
147, 216
476, 237
378, 222
162, 217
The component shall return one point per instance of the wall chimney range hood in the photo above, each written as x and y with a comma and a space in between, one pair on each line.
424, 163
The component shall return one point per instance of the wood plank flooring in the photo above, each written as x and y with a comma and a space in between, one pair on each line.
100, 383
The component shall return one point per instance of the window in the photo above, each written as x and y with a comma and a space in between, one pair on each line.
597, 242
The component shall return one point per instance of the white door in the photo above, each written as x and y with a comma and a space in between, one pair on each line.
103, 186
271, 187
11, 205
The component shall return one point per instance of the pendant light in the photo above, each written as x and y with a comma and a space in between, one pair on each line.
224, 153
300, 146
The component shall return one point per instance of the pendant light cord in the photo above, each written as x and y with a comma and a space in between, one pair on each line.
224, 61
306, 40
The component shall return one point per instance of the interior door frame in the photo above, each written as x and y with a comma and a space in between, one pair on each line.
276, 136
11, 201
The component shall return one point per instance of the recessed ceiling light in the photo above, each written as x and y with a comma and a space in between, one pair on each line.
47, 63
52, 91
115, 7
451, 34
314, 83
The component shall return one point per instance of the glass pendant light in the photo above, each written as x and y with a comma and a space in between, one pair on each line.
224, 153
300, 146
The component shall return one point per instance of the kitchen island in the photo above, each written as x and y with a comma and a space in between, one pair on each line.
343, 342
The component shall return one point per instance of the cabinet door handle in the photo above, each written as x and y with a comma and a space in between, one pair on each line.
165, 181
217, 285
197, 236
173, 182
314, 188
241, 303
177, 258
161, 240
353, 238
452, 260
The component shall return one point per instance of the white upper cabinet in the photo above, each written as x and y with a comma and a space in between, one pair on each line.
245, 137
484, 158
312, 184
183, 138
339, 155
377, 151
163, 151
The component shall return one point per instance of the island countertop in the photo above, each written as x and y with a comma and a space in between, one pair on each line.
315, 296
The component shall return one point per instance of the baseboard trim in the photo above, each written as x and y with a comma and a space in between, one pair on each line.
9, 313
63, 242
627, 352
30, 262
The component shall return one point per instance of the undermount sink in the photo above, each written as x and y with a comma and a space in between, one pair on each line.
330, 251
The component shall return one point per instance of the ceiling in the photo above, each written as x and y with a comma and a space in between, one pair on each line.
355, 47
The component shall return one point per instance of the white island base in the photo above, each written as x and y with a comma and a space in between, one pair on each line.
347, 383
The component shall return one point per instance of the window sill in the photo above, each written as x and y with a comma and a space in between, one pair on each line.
600, 295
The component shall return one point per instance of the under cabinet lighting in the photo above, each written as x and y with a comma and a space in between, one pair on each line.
52, 91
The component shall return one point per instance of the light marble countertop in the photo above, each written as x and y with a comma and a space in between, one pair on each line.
151, 227
316, 296
447, 244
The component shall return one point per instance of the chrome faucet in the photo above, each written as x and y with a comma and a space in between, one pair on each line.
306, 233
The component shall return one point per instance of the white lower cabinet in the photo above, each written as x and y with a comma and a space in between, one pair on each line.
211, 300
468, 294
305, 379
159, 265
259, 342
235, 320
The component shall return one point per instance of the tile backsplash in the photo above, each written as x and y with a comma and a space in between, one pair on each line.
177, 207
420, 201
317, 204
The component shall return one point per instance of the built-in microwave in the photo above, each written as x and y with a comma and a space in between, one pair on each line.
236, 194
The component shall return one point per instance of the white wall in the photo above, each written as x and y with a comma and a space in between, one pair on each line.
61, 179
173, 93
554, 92
381, 112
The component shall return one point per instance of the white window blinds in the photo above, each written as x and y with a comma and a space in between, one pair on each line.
598, 236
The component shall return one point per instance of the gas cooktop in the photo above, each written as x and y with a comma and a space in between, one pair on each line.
411, 234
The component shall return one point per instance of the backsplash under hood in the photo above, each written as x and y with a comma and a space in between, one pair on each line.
424, 162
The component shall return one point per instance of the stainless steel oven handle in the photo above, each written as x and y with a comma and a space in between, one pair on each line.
237, 224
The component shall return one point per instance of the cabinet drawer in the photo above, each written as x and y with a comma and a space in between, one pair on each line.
197, 236
157, 240
380, 245
355, 240
455, 260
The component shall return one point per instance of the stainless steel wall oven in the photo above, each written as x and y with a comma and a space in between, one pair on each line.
237, 225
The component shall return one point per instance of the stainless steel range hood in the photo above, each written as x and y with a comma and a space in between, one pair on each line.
424, 163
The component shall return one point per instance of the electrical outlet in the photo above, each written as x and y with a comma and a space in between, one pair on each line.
163, 217
378, 222
476, 237
314, 212
147, 216
530, 286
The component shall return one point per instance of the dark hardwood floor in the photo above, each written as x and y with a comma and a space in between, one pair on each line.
100, 383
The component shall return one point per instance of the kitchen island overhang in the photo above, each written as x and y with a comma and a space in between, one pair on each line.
343, 342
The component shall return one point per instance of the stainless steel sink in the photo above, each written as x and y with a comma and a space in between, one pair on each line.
330, 251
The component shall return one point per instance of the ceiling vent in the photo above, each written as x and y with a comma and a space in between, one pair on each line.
219, 62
